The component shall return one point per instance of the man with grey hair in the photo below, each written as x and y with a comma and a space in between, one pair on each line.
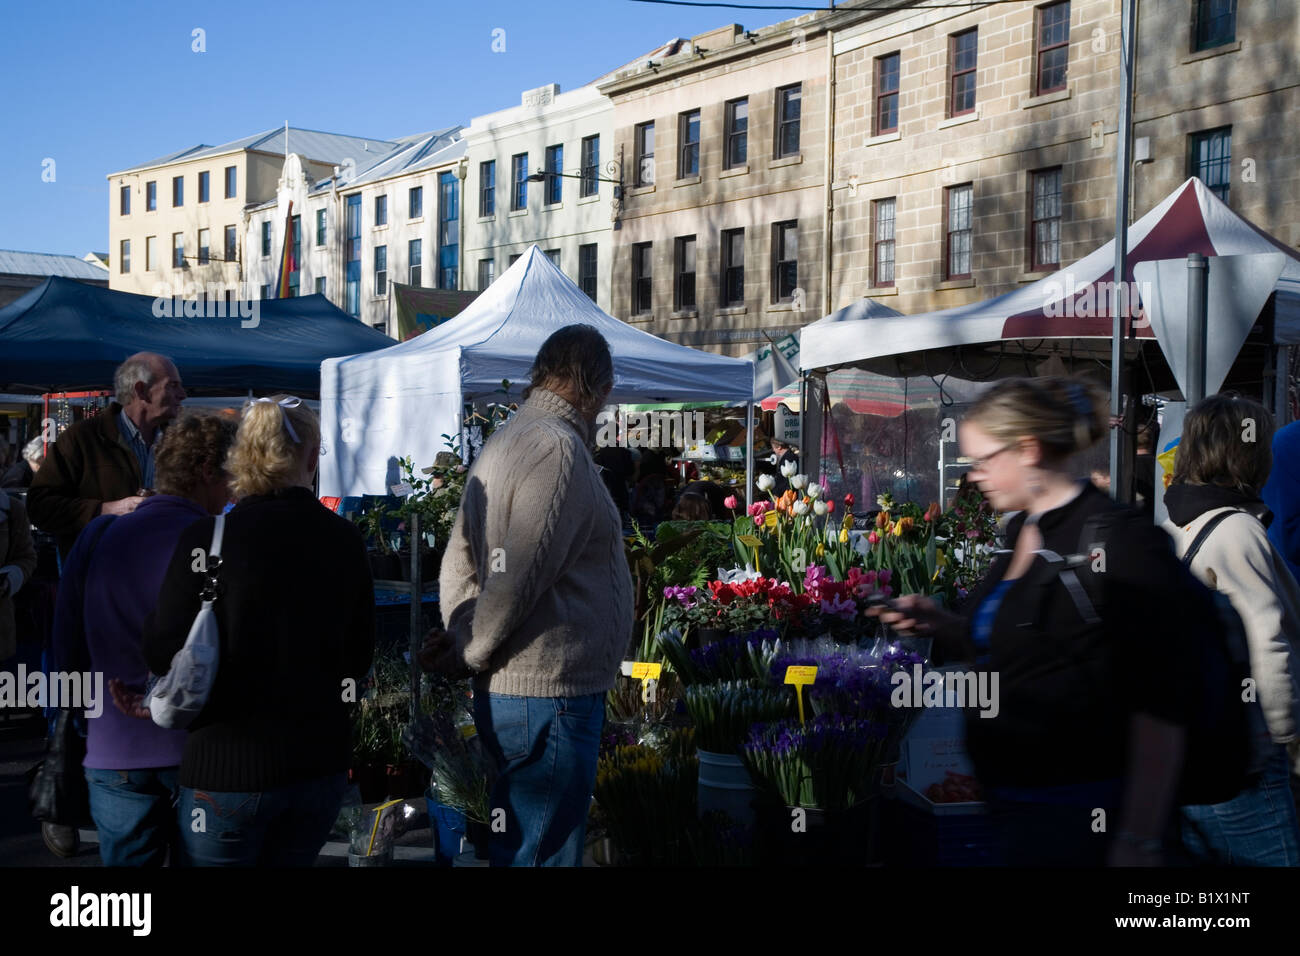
104, 465
22, 471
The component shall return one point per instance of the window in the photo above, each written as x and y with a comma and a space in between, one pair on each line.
642, 264
415, 203
684, 273
590, 185
1053, 43
554, 182
887, 69
381, 211
266, 238
150, 197
265, 292
1216, 23
352, 256
178, 250
645, 154
733, 267
295, 254
232, 251
124, 201
737, 125
1045, 220
688, 138
320, 227
205, 241
320, 285
487, 273
962, 49
487, 188
415, 256
381, 270
1211, 159
553, 255
178, 191
124, 256
515, 257
882, 241
230, 182
203, 186
587, 270
785, 260
957, 228
150, 253
448, 231
788, 103
519, 181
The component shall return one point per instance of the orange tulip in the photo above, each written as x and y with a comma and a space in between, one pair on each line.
882, 520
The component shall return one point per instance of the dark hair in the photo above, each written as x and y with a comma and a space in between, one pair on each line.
1227, 441
1065, 415
692, 506
194, 441
577, 355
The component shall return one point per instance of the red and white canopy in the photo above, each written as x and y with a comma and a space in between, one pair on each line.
1073, 302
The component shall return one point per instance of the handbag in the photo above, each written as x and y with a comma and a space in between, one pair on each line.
178, 697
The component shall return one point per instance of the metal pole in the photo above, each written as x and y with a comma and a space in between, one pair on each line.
1281, 385
1124, 150
417, 608
749, 454
1198, 274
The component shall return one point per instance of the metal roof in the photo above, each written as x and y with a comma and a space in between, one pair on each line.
313, 144
48, 264
417, 153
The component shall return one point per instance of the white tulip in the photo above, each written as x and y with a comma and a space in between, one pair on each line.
788, 468
814, 490
819, 508
766, 482
798, 481
801, 507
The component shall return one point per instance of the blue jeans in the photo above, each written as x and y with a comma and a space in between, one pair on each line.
286, 826
545, 750
1257, 827
135, 814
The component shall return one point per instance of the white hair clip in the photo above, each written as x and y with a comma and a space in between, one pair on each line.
290, 402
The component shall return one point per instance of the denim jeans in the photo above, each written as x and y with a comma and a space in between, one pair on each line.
545, 750
1257, 827
135, 814
286, 826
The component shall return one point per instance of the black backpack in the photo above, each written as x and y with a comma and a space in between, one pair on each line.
1228, 743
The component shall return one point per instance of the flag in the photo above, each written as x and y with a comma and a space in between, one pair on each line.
419, 310
288, 263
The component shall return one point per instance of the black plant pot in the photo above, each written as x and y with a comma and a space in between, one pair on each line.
477, 834
819, 837
385, 567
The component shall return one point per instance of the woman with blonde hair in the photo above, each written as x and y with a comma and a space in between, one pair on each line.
1216, 516
265, 763
1091, 715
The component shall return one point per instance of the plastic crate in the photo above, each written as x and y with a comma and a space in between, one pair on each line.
936, 834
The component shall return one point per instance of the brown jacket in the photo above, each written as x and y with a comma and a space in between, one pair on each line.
16, 550
90, 463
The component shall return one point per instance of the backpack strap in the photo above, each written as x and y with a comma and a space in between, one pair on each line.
1078, 593
1204, 534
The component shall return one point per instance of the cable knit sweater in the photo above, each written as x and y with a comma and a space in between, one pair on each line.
535, 588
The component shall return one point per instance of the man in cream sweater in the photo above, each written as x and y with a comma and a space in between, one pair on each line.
537, 599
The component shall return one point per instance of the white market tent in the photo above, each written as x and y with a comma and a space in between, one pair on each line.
400, 401
1071, 303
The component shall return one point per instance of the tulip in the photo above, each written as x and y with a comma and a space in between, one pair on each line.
788, 468
932, 512
830, 505
801, 507
797, 482
844, 536
848, 501
730, 503
882, 520
814, 490
872, 539
819, 508
754, 510
758, 521
766, 482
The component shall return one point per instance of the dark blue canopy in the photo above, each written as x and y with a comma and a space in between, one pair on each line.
64, 335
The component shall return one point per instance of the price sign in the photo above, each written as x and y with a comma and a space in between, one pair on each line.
648, 674
800, 675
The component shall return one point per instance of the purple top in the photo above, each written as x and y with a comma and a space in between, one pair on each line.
124, 577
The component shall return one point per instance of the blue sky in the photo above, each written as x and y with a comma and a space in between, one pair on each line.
99, 87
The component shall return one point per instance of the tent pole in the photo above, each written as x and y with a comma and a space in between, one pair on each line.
1124, 149
749, 454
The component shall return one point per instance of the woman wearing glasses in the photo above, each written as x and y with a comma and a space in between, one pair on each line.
265, 763
1081, 761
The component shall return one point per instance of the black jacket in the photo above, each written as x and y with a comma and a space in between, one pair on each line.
296, 616
1067, 689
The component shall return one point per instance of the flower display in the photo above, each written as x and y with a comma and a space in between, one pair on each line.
829, 763
788, 469
765, 482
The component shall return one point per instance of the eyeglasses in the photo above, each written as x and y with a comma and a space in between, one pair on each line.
979, 464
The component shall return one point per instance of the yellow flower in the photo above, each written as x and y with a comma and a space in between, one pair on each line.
769, 519
844, 536
821, 549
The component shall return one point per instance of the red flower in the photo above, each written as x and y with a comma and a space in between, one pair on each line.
848, 501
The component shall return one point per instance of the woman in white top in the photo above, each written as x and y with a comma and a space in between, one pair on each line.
1223, 460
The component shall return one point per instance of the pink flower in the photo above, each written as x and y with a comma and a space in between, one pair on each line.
758, 521
885, 577
873, 538
839, 606
972, 534
730, 502
754, 510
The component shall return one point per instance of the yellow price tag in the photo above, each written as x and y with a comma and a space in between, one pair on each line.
800, 675
644, 671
